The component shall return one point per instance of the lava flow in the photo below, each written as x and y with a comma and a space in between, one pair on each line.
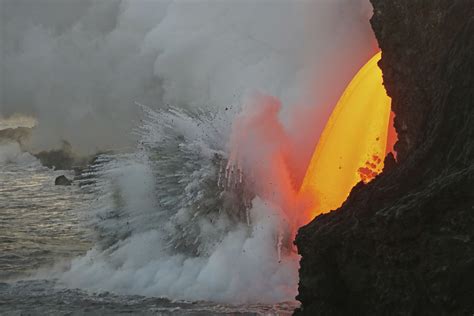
353, 144
351, 149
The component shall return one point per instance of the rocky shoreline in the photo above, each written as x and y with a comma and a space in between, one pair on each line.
404, 243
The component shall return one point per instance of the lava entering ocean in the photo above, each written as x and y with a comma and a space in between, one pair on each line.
201, 248
351, 149
353, 144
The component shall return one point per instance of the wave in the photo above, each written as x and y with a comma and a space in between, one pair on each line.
167, 226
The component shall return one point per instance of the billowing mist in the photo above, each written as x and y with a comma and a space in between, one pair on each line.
79, 66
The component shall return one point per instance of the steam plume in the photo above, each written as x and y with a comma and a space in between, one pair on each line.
78, 66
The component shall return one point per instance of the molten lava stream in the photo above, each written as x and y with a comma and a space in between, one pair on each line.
353, 144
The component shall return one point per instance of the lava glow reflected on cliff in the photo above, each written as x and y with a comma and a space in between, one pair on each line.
353, 144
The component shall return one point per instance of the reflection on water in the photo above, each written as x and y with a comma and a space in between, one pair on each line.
40, 223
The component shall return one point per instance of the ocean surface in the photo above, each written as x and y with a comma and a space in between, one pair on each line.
40, 223
43, 226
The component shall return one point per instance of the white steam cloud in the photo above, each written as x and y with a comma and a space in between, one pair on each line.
142, 218
78, 66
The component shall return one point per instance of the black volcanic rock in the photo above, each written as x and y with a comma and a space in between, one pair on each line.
64, 158
404, 243
62, 180
59, 159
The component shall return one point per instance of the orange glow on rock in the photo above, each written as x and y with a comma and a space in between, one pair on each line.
353, 144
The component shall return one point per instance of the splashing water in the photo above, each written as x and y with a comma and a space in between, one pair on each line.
168, 228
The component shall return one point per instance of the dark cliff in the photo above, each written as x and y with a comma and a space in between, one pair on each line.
404, 243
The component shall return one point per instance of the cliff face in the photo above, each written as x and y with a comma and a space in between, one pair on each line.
404, 243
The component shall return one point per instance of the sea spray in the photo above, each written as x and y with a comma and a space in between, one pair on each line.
165, 227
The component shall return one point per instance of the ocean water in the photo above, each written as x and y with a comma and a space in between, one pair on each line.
44, 297
40, 223
153, 233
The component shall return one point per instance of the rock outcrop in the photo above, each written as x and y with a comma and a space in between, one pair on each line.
64, 158
62, 180
59, 159
404, 243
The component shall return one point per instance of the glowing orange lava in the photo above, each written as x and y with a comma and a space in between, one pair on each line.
353, 144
